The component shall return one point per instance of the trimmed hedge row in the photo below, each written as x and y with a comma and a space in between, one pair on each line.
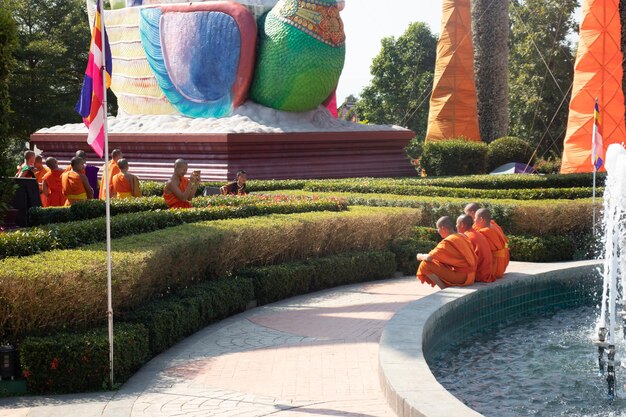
277, 282
65, 289
80, 362
79, 233
154, 188
75, 362
92, 209
468, 193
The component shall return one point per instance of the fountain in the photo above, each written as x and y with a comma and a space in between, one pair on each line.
613, 288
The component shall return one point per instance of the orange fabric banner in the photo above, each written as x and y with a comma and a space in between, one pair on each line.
597, 74
453, 104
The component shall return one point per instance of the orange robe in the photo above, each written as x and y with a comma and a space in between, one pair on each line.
55, 195
499, 249
499, 229
39, 174
113, 171
73, 188
174, 202
120, 187
453, 262
484, 268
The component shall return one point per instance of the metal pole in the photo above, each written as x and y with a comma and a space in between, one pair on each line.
108, 191
593, 205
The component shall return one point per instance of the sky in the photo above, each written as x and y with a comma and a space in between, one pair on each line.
367, 22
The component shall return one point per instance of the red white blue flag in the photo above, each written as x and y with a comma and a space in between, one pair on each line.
597, 147
90, 102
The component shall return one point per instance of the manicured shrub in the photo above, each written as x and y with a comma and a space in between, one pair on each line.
453, 157
65, 288
508, 149
405, 251
541, 249
277, 282
76, 362
78, 233
170, 319
153, 188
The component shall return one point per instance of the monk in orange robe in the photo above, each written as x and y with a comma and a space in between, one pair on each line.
498, 243
125, 184
179, 190
40, 171
75, 185
452, 262
116, 155
52, 187
482, 250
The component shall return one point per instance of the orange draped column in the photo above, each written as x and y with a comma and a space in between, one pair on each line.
454, 104
597, 74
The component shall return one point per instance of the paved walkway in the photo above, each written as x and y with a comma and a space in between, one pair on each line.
313, 355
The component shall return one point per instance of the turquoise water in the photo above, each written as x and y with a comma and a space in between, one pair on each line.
546, 366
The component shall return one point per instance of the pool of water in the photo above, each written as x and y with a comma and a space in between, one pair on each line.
545, 366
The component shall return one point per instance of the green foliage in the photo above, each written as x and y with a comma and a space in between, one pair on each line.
170, 319
78, 233
53, 47
153, 188
539, 100
8, 43
402, 81
69, 283
490, 31
453, 157
277, 282
555, 248
553, 166
405, 251
75, 362
508, 149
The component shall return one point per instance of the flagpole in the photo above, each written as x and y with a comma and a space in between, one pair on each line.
595, 168
108, 192
593, 204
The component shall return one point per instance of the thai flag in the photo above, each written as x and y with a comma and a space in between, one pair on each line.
90, 102
597, 147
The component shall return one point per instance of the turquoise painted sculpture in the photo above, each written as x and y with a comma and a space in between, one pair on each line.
301, 55
198, 59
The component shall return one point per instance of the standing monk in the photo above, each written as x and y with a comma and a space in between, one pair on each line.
52, 187
40, 171
74, 184
498, 243
179, 190
124, 184
482, 250
116, 155
27, 169
452, 262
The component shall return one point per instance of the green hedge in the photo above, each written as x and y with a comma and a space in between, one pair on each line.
170, 319
277, 282
69, 284
453, 157
153, 188
78, 233
508, 149
467, 193
70, 362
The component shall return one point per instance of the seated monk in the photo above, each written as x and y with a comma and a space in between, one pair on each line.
498, 243
452, 262
237, 187
116, 155
471, 209
75, 185
482, 250
125, 184
52, 187
179, 190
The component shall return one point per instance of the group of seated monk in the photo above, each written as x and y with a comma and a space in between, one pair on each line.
179, 191
79, 181
477, 251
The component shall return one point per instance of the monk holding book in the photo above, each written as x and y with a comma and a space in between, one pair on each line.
452, 262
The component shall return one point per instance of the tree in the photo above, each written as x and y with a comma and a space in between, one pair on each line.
8, 43
54, 40
537, 89
402, 81
490, 31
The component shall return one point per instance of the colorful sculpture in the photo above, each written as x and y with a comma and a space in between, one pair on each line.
198, 59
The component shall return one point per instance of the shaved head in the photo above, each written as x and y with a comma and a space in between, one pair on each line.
484, 214
471, 208
122, 164
52, 163
445, 222
180, 162
81, 154
464, 222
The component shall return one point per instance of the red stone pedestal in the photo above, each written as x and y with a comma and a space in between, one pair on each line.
262, 155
